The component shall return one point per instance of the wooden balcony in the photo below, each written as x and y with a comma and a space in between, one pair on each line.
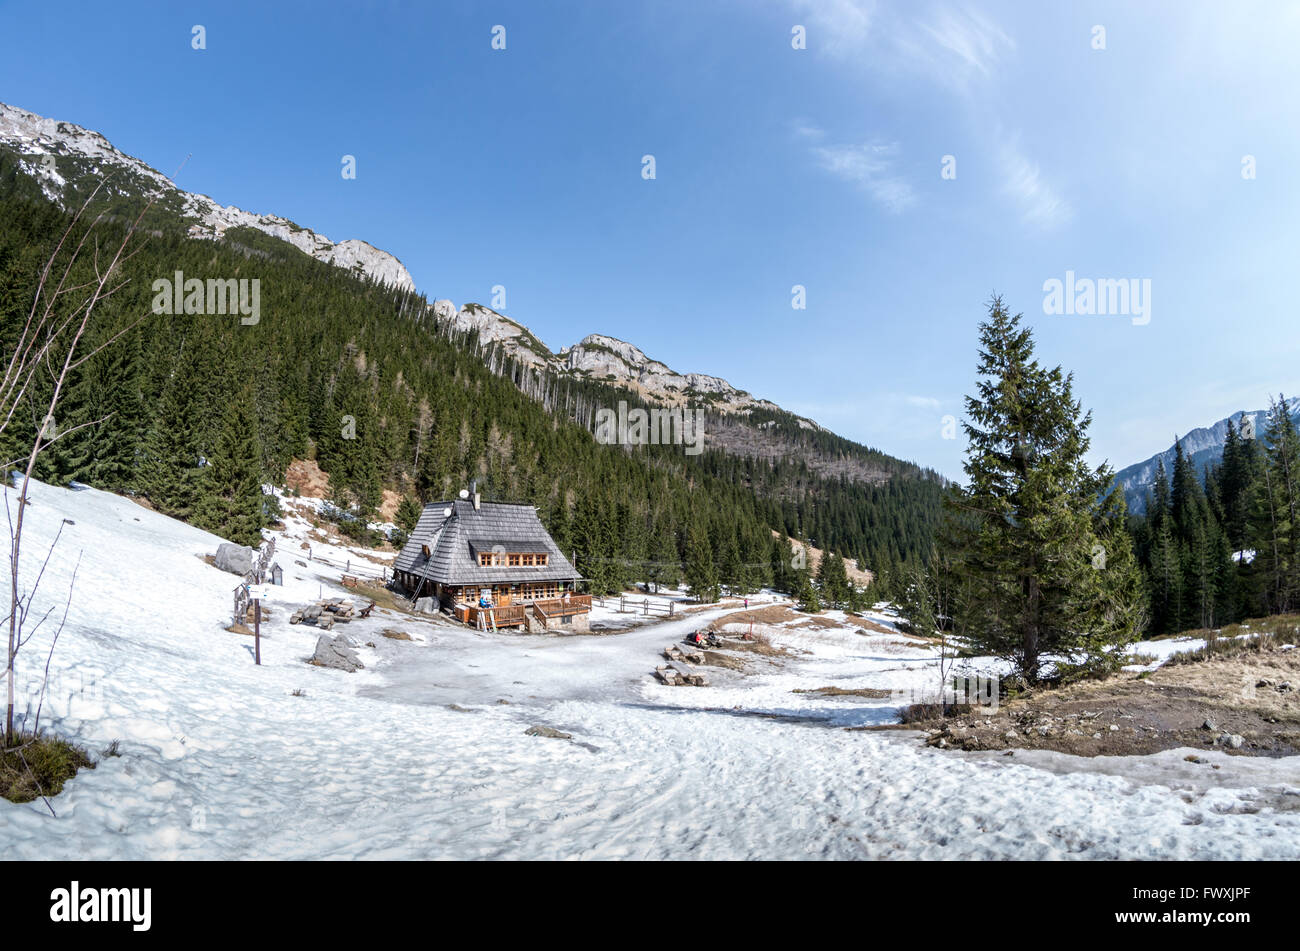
513, 615
559, 607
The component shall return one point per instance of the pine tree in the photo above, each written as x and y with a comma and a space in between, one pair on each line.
231, 501
1031, 532
701, 574
408, 514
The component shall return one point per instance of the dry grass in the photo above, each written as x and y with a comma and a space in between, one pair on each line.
718, 659
39, 766
773, 614
870, 693
759, 645
383, 597
392, 635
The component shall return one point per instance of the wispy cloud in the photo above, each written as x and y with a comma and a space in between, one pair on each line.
955, 46
1040, 204
870, 166
952, 45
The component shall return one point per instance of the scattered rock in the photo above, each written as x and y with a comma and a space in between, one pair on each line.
1010, 734
425, 606
1193, 758
237, 559
1114, 726
547, 731
1209, 725
458, 708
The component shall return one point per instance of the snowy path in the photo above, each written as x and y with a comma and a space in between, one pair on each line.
220, 760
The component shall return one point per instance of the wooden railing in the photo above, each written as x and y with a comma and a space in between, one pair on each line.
507, 616
560, 607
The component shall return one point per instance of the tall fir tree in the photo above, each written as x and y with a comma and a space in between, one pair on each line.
1029, 526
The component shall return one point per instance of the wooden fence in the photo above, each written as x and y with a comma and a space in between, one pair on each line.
261, 565
644, 606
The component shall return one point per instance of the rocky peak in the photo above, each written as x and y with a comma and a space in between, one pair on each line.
59, 155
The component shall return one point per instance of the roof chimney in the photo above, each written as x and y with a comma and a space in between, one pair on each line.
474, 494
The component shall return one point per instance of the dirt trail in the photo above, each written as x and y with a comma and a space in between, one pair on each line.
1246, 705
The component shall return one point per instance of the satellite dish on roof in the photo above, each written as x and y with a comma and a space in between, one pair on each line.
464, 493
446, 513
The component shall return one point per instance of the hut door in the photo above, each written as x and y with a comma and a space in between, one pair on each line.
502, 595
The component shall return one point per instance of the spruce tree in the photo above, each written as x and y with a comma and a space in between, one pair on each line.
1043, 566
231, 503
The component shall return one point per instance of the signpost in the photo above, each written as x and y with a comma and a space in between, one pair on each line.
257, 592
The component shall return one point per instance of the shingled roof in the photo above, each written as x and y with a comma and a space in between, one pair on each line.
455, 532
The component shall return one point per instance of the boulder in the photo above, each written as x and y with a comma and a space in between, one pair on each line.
335, 653
237, 559
548, 732
425, 606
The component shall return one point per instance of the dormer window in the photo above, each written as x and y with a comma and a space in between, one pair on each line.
497, 559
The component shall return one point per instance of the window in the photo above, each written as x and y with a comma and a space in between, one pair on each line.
512, 560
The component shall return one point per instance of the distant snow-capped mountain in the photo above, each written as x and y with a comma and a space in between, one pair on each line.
1202, 447
68, 161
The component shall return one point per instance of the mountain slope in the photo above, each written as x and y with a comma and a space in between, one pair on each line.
1203, 447
68, 161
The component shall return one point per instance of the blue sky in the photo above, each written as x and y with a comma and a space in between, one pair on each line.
775, 167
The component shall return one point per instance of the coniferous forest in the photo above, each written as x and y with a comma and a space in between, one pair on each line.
1223, 544
193, 413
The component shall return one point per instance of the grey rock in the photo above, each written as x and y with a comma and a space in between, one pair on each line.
237, 559
547, 731
1209, 725
425, 606
335, 653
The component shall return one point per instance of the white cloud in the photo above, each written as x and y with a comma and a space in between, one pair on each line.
870, 166
1040, 204
956, 46
951, 45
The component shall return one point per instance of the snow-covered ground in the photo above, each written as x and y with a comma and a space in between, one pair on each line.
416, 757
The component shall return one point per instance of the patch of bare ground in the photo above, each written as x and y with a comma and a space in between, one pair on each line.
773, 614
308, 479
1246, 704
868, 625
758, 644
858, 576
870, 693
392, 635
383, 596
719, 659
